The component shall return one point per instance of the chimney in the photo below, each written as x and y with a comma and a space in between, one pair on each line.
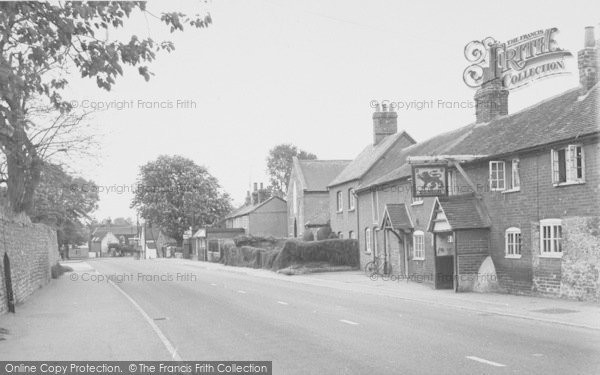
491, 99
261, 195
261, 186
248, 198
385, 122
588, 62
255, 186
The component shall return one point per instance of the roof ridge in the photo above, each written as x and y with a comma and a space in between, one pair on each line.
534, 105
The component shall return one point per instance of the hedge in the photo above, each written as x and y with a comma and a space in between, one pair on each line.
335, 252
248, 256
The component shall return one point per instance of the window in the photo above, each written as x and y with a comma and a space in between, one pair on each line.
368, 240
294, 198
497, 176
351, 235
515, 180
340, 202
351, 199
375, 206
340, 235
419, 245
512, 240
453, 188
568, 165
551, 238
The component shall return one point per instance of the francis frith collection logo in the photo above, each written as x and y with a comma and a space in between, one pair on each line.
518, 62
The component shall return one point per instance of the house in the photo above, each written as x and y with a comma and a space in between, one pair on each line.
154, 242
308, 197
261, 218
521, 213
127, 235
101, 238
207, 243
387, 143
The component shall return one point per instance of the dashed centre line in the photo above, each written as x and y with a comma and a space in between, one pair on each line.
282, 303
348, 322
242, 291
487, 362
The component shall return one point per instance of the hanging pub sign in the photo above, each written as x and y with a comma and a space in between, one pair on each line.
518, 62
429, 180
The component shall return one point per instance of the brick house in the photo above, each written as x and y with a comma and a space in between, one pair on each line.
264, 218
521, 215
387, 143
307, 194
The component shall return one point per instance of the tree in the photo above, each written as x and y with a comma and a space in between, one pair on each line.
122, 221
38, 42
175, 193
279, 164
64, 203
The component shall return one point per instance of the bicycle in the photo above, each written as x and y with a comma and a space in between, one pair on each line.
377, 267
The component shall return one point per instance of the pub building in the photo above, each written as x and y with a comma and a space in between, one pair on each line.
519, 210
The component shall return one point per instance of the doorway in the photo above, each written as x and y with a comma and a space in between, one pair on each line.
443, 244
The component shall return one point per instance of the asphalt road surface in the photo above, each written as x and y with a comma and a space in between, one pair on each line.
203, 314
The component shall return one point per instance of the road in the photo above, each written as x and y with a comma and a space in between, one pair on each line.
304, 329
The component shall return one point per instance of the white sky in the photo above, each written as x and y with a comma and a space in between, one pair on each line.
267, 72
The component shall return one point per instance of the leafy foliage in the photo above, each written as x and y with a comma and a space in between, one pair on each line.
64, 203
334, 252
280, 162
175, 193
38, 40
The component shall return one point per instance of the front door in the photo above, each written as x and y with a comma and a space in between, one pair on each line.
444, 272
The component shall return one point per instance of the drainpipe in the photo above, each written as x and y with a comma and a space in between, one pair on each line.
455, 261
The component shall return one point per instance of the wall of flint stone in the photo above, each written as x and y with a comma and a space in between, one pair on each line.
32, 250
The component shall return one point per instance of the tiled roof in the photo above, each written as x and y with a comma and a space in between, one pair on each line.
388, 170
317, 174
398, 216
366, 159
563, 117
464, 212
245, 210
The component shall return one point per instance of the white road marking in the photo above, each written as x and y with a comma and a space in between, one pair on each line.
242, 291
172, 350
348, 322
282, 303
491, 363
213, 284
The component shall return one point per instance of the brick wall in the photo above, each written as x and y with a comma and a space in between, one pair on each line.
537, 199
344, 221
32, 250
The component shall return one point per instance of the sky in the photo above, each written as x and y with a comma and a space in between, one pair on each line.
268, 72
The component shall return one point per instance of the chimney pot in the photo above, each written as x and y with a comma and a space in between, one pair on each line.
255, 186
261, 186
590, 40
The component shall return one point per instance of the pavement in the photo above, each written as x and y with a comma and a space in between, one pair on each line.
329, 323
